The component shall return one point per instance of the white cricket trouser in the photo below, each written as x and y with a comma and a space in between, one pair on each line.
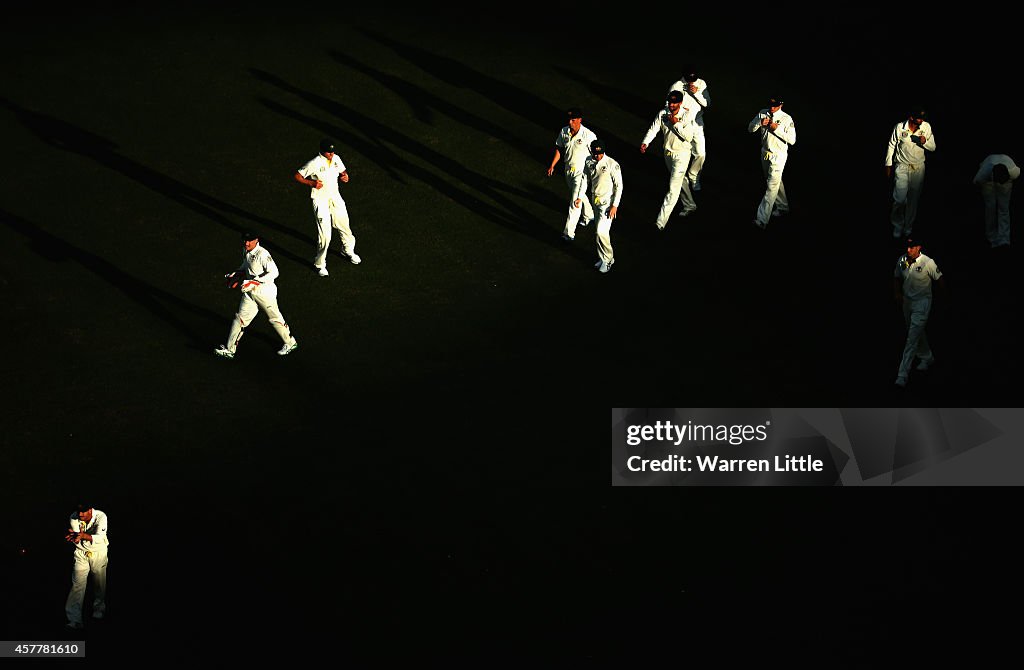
698, 151
915, 314
84, 564
604, 233
265, 296
997, 211
330, 213
772, 165
573, 179
906, 191
678, 186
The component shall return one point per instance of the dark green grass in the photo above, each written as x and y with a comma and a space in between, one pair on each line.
471, 350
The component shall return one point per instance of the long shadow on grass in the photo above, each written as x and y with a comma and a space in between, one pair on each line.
424, 103
151, 298
69, 137
624, 100
517, 100
507, 213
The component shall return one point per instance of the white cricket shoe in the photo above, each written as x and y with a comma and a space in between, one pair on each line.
322, 271
224, 352
355, 259
288, 348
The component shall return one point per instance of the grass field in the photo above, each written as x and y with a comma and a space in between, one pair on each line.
442, 423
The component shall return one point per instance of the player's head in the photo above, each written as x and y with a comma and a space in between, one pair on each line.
250, 239
597, 149
775, 103
689, 74
575, 117
918, 115
84, 510
1000, 173
674, 97
327, 146
913, 246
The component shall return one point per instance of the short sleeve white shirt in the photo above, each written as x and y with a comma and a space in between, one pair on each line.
327, 172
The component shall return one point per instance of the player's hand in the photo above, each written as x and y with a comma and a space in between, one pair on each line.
551, 170
576, 203
344, 177
888, 171
612, 211
643, 148
318, 184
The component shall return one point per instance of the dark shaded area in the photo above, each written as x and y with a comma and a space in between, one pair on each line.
68, 137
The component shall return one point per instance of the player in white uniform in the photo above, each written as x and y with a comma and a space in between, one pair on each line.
604, 183
676, 124
912, 286
322, 175
995, 177
778, 134
692, 86
573, 142
258, 291
88, 532
907, 144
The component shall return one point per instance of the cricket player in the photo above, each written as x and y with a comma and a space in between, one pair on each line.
692, 86
995, 179
778, 134
258, 272
907, 145
604, 182
676, 124
322, 175
574, 142
87, 530
912, 288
